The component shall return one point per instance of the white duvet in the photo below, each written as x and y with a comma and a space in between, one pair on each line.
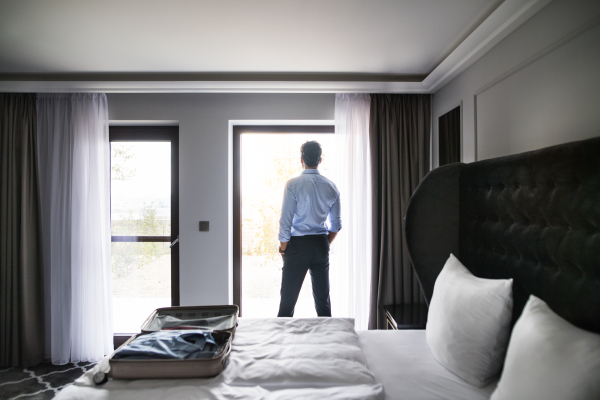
275, 358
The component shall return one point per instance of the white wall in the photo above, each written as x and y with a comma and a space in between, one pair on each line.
203, 170
540, 86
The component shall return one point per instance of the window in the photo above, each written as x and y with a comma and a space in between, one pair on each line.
144, 223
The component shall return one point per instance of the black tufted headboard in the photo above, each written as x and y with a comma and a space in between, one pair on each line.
533, 217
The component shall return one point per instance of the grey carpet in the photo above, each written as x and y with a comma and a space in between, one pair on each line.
41, 382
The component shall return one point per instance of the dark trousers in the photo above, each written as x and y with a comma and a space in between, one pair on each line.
305, 253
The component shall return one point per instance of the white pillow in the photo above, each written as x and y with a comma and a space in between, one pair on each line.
548, 358
468, 324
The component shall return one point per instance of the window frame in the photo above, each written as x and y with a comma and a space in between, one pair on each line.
170, 134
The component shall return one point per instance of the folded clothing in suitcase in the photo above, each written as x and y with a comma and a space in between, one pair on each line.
167, 345
178, 342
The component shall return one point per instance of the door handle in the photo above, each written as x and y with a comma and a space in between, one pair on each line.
174, 242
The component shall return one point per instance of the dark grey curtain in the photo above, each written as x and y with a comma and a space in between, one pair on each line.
21, 276
449, 137
399, 136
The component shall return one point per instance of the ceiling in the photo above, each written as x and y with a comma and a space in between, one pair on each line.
195, 43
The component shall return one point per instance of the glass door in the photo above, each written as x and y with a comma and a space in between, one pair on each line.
143, 224
272, 160
264, 158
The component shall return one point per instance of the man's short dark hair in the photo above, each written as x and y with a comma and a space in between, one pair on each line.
311, 153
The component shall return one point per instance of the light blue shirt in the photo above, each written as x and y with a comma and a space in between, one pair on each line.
308, 200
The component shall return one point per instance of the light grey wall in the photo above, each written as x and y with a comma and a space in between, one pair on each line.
540, 86
203, 170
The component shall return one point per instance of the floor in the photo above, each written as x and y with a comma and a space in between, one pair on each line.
41, 382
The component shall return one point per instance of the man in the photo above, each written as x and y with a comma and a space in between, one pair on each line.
304, 237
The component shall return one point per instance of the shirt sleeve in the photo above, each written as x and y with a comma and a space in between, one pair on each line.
288, 208
335, 216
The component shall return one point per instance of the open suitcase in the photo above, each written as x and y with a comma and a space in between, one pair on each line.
220, 320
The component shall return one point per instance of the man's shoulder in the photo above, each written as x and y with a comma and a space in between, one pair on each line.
328, 185
329, 182
312, 178
294, 180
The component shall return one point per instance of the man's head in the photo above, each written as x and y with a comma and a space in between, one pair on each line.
311, 153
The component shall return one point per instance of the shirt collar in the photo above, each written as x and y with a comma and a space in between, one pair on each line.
311, 171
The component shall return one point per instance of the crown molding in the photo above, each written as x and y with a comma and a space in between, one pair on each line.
210, 87
504, 20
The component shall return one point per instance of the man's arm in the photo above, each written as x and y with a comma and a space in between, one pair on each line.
288, 208
331, 236
335, 219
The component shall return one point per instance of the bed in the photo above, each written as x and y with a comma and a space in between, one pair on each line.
532, 217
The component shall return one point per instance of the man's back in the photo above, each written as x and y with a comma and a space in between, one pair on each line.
308, 200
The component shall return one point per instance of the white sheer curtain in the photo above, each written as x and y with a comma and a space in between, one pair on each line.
74, 163
351, 260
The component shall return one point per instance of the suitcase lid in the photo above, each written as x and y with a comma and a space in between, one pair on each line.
211, 318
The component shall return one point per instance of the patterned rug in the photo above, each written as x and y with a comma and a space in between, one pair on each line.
40, 382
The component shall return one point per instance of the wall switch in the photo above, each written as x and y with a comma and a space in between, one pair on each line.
203, 226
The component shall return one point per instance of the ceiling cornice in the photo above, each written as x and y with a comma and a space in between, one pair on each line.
212, 77
211, 87
504, 20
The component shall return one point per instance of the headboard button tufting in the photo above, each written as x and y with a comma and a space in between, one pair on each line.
533, 217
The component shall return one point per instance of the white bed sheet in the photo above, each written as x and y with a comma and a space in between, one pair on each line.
402, 362
274, 358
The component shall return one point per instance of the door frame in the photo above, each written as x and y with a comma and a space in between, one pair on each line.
238, 130
156, 134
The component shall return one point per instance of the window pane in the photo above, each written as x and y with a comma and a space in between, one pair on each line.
141, 282
141, 188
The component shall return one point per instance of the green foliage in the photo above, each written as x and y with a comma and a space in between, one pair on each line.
121, 167
265, 241
129, 256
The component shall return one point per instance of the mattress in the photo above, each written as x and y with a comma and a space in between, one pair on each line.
283, 358
272, 358
402, 362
